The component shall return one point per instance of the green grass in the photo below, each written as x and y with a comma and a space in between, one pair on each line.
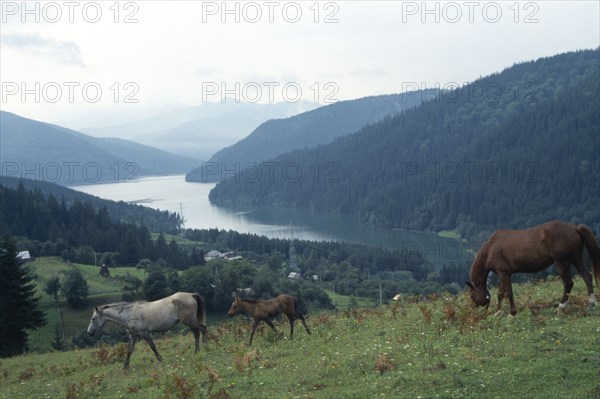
101, 290
346, 301
437, 348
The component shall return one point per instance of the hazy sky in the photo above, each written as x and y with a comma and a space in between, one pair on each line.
71, 60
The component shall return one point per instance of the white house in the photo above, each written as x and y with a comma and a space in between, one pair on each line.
24, 256
212, 255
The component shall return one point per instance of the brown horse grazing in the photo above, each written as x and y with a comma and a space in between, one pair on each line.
532, 250
265, 310
142, 318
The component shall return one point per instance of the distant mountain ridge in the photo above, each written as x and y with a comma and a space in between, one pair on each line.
198, 132
42, 151
512, 149
306, 130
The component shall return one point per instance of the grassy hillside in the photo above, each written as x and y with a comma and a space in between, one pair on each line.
435, 347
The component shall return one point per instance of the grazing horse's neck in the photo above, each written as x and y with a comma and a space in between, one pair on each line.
479, 273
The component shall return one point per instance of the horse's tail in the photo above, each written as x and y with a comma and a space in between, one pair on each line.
296, 309
200, 311
592, 247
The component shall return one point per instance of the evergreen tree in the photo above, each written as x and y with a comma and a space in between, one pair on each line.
155, 286
19, 309
58, 342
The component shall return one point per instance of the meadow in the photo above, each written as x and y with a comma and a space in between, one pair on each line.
433, 347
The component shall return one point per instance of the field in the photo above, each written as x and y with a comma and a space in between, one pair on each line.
419, 348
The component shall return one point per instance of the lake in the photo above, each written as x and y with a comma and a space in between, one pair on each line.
174, 194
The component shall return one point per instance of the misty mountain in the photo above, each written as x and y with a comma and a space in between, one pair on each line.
198, 132
305, 130
512, 149
42, 151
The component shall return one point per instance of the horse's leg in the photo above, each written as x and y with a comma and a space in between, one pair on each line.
148, 338
132, 341
505, 289
509, 294
253, 331
270, 323
301, 317
587, 277
291, 319
564, 271
196, 338
204, 331
501, 292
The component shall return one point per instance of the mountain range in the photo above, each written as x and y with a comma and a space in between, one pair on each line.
306, 130
42, 151
197, 132
512, 149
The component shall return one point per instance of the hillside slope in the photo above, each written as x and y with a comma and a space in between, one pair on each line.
43, 151
306, 130
119, 211
439, 347
512, 149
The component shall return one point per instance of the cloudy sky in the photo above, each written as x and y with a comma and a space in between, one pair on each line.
96, 62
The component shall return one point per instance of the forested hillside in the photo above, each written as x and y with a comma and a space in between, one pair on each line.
120, 211
78, 231
307, 130
512, 149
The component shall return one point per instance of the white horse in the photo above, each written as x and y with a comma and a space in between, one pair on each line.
142, 318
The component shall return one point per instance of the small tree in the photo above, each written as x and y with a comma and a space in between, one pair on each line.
58, 342
155, 286
52, 286
132, 290
74, 288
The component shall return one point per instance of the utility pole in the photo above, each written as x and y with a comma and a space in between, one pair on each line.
380, 295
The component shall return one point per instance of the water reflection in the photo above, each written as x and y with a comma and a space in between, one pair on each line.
172, 193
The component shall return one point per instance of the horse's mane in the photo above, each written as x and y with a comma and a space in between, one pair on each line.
478, 270
117, 305
250, 300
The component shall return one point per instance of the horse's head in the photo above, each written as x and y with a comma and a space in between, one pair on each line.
235, 307
480, 296
96, 322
